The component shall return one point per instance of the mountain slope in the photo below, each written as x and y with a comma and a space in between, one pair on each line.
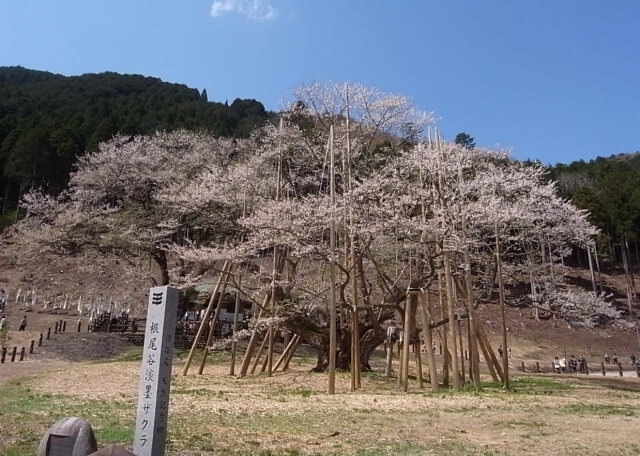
46, 120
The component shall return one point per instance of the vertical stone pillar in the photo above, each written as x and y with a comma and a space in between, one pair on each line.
155, 372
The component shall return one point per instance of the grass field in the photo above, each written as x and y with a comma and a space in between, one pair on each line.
290, 414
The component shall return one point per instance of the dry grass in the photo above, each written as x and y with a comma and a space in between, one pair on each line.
291, 414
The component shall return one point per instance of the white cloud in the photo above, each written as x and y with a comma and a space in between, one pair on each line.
257, 10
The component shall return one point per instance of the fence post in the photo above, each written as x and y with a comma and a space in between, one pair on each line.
40, 340
33, 342
620, 369
13, 354
22, 354
522, 364
538, 367
79, 325
4, 355
48, 333
55, 328
604, 372
64, 326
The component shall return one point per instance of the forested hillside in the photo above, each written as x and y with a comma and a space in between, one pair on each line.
609, 188
47, 120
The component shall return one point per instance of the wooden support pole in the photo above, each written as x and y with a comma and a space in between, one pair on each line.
416, 348
285, 353
13, 354
387, 371
22, 354
234, 343
48, 333
224, 278
33, 342
452, 326
355, 327
352, 362
64, 326
55, 329
357, 347
604, 371
205, 319
271, 333
290, 355
488, 360
445, 330
505, 351
591, 271
538, 367
79, 325
260, 350
4, 355
462, 374
400, 362
40, 340
620, 369
472, 336
412, 296
426, 310
248, 354
331, 387
491, 353
267, 361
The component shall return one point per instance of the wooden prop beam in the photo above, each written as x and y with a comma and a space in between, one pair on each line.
214, 320
185, 370
425, 308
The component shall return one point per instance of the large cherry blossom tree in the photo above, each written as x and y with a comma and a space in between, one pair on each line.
404, 208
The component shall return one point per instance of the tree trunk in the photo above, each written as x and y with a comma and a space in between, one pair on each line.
160, 258
369, 341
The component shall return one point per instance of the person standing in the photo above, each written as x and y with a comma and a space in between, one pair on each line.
4, 331
23, 324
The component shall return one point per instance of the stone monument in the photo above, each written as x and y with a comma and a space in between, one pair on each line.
155, 372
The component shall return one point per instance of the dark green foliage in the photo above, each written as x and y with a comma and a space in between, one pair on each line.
47, 120
465, 140
609, 188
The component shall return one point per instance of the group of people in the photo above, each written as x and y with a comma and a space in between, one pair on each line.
4, 329
574, 366
635, 362
4, 325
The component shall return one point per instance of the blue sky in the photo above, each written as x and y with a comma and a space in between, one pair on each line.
555, 80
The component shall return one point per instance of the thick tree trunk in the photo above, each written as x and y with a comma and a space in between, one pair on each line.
160, 258
370, 340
